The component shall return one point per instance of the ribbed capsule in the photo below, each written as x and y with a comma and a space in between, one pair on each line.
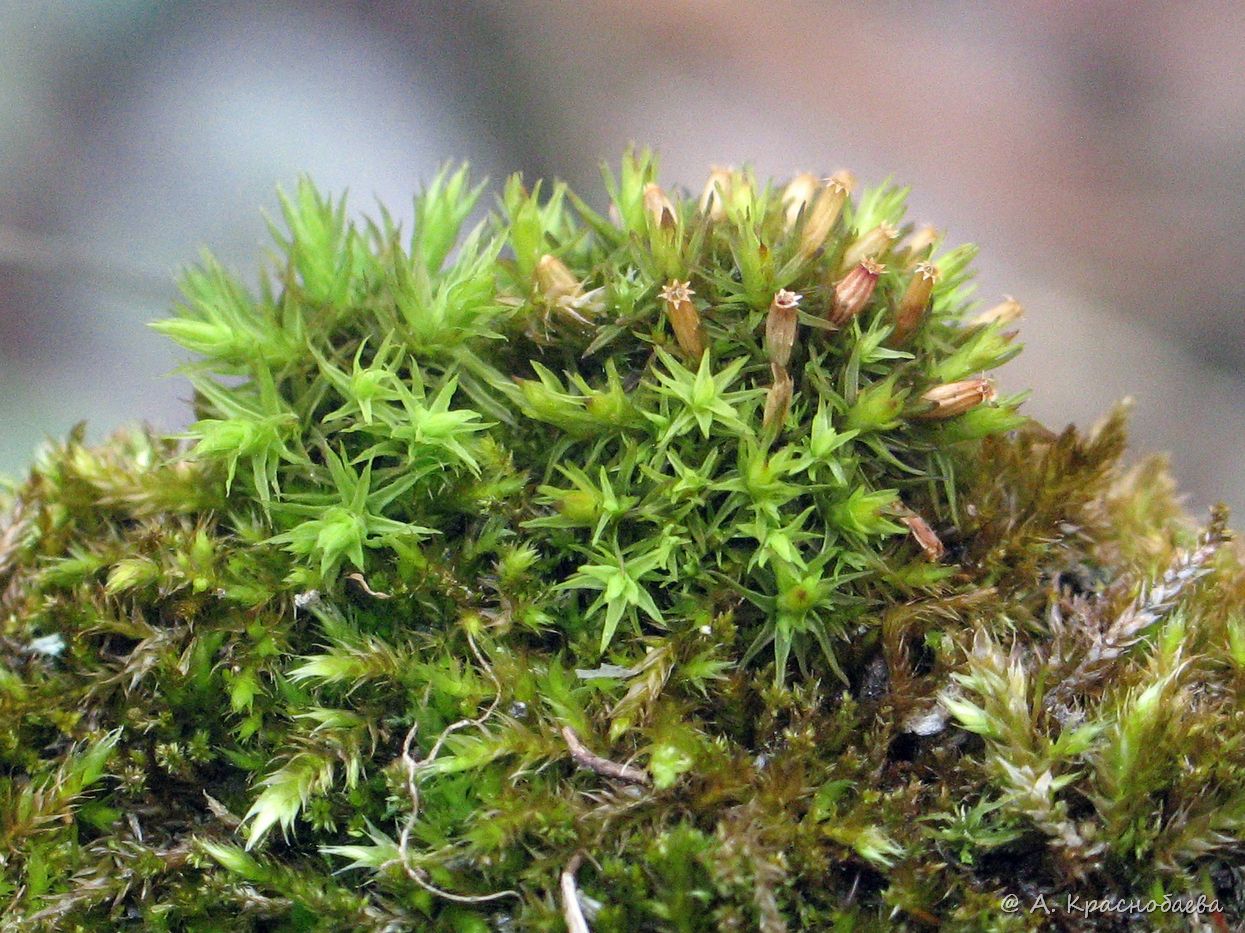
1005, 311
659, 207
781, 325
912, 306
798, 194
777, 399
870, 245
684, 319
955, 398
716, 193
825, 210
853, 292
919, 243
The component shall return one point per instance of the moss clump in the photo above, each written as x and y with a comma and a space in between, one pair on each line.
677, 569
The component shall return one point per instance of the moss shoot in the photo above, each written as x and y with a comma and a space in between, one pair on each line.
672, 568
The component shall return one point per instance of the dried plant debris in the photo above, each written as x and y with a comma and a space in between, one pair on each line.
675, 567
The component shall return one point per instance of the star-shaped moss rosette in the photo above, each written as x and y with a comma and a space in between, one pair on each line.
675, 567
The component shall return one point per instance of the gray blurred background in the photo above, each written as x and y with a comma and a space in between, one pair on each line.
1096, 152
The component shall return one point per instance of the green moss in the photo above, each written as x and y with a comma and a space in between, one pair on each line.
576, 552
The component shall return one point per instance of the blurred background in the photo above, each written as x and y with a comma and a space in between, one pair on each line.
1096, 152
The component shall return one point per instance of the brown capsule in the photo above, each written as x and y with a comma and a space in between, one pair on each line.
780, 326
1005, 311
684, 319
919, 243
925, 536
824, 212
870, 245
777, 399
955, 398
717, 192
913, 304
798, 194
853, 292
660, 208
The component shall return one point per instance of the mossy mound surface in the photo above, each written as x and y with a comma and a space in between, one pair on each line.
675, 568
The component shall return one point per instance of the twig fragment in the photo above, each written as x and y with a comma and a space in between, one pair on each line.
361, 581
572, 912
603, 766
